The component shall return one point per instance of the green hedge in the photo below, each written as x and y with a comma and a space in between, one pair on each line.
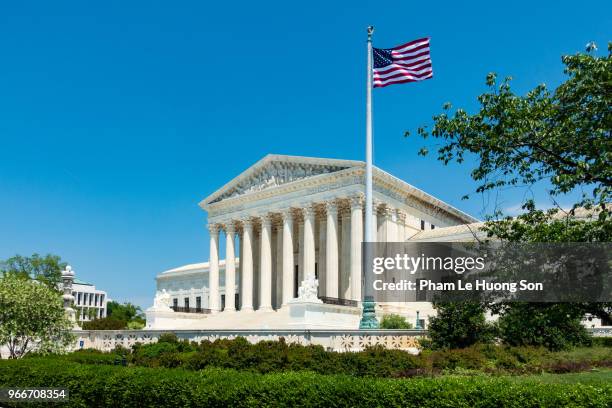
278, 356
111, 386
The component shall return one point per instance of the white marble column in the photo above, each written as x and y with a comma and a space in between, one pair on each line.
345, 259
287, 256
401, 225
309, 243
300, 262
213, 273
321, 249
230, 268
308, 291
375, 205
246, 266
331, 250
277, 275
356, 240
390, 224
265, 270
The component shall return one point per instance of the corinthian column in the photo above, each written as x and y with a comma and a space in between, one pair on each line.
213, 272
331, 251
287, 256
265, 270
309, 286
246, 266
230, 268
309, 243
356, 239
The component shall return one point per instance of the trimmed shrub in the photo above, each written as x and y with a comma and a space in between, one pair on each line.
112, 386
105, 323
394, 321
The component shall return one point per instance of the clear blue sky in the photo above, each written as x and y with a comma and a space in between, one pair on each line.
116, 118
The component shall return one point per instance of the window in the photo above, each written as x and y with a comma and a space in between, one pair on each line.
198, 302
175, 302
222, 302
422, 224
186, 303
433, 226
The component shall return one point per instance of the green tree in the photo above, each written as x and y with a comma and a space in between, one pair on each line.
394, 321
32, 317
562, 138
459, 325
126, 312
554, 326
47, 269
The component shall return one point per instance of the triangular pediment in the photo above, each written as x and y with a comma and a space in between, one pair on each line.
276, 170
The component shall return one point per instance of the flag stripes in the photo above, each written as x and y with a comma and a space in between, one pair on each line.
405, 63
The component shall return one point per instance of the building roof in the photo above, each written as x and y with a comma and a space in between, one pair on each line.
80, 282
274, 171
200, 267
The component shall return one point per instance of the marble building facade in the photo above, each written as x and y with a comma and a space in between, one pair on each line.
293, 228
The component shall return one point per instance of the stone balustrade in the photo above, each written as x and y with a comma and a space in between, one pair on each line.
332, 340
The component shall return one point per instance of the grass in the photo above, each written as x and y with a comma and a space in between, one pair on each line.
592, 377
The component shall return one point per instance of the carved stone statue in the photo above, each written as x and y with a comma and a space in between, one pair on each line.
308, 291
276, 174
162, 301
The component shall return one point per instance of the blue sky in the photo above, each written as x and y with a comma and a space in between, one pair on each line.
117, 118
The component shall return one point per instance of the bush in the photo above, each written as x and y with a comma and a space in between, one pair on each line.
394, 321
459, 325
601, 341
135, 325
112, 386
556, 326
376, 361
105, 323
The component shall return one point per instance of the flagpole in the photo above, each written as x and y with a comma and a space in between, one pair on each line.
368, 316
368, 190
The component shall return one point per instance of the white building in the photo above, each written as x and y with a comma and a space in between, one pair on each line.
296, 223
89, 302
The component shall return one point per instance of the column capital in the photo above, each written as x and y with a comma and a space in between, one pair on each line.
387, 211
229, 228
375, 205
287, 214
266, 219
331, 206
246, 221
401, 214
357, 201
309, 210
213, 228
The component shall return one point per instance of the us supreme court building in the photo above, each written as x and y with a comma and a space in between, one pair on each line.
292, 229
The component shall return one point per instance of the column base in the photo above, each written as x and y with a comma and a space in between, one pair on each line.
368, 316
265, 309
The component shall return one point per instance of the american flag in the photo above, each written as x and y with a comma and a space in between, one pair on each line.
406, 63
